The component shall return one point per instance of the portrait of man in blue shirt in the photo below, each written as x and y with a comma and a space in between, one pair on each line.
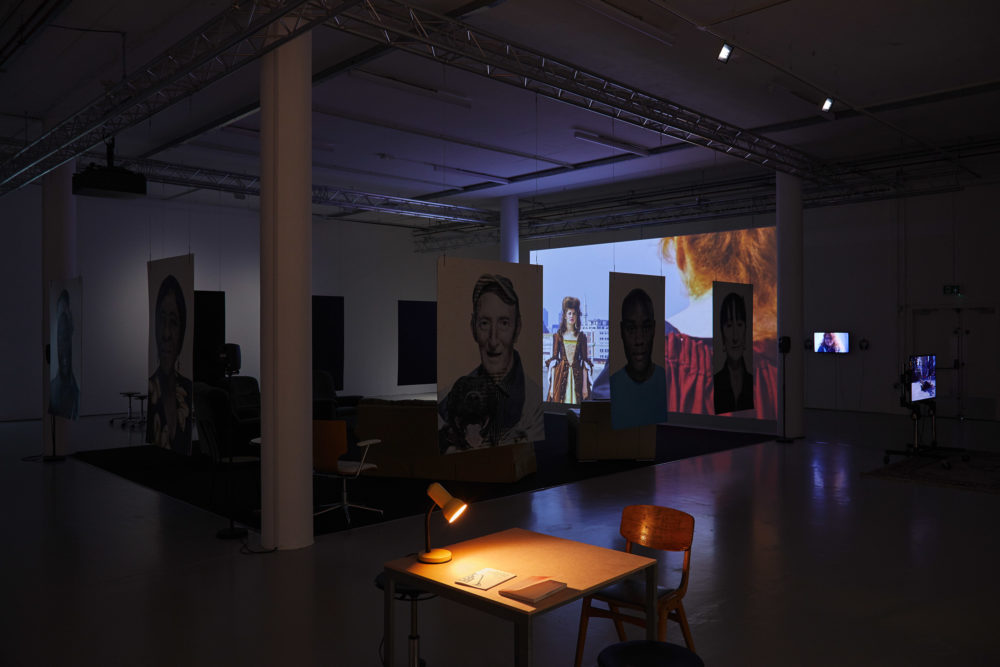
638, 389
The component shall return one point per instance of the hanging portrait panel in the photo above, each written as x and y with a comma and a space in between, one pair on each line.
489, 323
171, 320
732, 358
638, 382
65, 347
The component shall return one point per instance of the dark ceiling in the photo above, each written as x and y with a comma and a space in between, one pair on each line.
426, 115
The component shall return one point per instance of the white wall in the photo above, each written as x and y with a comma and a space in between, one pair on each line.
871, 269
370, 266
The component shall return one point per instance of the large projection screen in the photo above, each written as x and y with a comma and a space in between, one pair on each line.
689, 265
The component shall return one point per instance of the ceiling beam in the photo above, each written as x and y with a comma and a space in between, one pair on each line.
239, 35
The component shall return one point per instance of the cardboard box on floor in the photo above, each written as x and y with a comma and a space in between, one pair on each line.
597, 440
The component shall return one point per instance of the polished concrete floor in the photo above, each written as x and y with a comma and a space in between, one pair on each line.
797, 560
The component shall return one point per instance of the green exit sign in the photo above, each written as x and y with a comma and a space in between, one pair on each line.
953, 289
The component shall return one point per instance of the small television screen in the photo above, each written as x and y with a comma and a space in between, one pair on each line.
831, 341
923, 377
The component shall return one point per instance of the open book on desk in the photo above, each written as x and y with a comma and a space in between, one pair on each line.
485, 578
533, 589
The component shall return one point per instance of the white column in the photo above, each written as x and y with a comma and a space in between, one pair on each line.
286, 295
58, 263
509, 240
789, 231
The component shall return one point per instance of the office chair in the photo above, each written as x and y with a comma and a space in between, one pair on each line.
329, 446
654, 527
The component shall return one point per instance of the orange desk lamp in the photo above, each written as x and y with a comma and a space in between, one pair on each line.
452, 508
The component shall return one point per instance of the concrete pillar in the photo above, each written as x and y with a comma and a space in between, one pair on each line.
286, 295
58, 263
509, 241
790, 251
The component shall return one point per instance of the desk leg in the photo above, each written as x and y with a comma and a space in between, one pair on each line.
390, 593
522, 642
651, 602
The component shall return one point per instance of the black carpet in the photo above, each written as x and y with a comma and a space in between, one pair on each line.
235, 491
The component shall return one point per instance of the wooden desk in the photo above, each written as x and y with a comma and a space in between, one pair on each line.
584, 567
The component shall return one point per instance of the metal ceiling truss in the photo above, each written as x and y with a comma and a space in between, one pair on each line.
430, 35
347, 201
244, 32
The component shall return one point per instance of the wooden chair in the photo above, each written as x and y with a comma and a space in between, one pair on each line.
329, 446
654, 527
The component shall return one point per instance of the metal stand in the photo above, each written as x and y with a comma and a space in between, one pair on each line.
784, 345
415, 596
53, 457
931, 451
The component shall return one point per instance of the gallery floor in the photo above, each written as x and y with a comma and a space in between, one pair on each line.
797, 560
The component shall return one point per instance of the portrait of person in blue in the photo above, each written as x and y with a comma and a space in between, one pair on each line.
639, 388
64, 392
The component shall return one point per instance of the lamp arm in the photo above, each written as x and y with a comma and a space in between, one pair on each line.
427, 531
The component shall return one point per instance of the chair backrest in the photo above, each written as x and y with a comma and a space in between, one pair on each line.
660, 528
657, 527
329, 443
211, 410
244, 394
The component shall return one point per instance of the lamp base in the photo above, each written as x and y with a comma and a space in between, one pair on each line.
434, 556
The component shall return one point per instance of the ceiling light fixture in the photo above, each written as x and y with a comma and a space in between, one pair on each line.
827, 104
724, 53
612, 143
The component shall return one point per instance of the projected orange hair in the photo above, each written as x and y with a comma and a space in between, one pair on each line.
738, 256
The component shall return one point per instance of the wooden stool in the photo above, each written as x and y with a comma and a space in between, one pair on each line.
414, 595
646, 653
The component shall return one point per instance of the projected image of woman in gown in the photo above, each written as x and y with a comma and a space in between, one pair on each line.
747, 256
170, 393
570, 381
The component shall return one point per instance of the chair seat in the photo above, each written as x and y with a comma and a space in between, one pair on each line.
353, 467
646, 653
629, 591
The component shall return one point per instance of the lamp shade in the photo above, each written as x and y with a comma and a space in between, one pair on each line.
450, 506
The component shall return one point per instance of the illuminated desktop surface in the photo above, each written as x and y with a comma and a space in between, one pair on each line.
585, 569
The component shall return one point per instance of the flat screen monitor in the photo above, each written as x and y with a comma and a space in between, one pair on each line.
831, 341
923, 377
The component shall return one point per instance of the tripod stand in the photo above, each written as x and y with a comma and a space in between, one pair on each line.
932, 451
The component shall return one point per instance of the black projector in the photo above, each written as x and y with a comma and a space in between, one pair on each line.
115, 182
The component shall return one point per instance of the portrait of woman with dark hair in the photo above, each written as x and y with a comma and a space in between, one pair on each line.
570, 381
169, 420
829, 343
733, 382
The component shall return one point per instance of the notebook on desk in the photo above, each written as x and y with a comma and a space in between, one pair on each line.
533, 589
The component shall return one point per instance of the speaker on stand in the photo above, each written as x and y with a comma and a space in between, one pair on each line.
784, 347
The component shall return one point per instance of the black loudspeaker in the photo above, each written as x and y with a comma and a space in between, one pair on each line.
784, 344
